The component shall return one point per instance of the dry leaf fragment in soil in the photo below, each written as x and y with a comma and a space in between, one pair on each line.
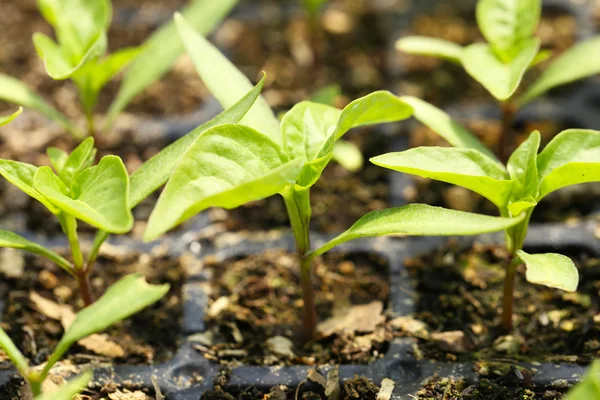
360, 318
127, 395
452, 341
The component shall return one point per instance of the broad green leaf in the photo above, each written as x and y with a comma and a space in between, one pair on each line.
121, 300
163, 48
522, 168
442, 124
499, 78
572, 157
15, 355
69, 390
82, 157
464, 167
429, 46
6, 120
420, 220
21, 175
574, 64
227, 166
507, 23
517, 207
155, 172
14, 241
57, 157
225, 81
589, 387
348, 155
550, 269
14, 91
99, 195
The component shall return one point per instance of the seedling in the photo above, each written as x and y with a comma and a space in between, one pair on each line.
79, 54
511, 50
232, 164
123, 299
572, 157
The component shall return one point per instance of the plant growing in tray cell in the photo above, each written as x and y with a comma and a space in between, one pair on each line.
510, 51
232, 164
572, 157
80, 54
123, 299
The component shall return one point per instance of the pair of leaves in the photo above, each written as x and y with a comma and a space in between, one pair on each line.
123, 299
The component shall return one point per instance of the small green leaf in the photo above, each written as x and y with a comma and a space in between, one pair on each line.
99, 195
57, 157
14, 91
70, 389
6, 120
428, 46
419, 220
589, 387
313, 7
123, 299
15, 355
442, 124
82, 157
348, 155
227, 166
522, 168
163, 48
540, 57
572, 65
572, 157
517, 207
499, 78
550, 269
225, 81
507, 23
21, 175
14, 241
465, 167
155, 172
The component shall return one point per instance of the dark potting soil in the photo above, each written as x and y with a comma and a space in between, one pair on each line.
255, 310
38, 295
460, 300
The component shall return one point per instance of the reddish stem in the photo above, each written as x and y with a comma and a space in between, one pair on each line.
85, 289
509, 288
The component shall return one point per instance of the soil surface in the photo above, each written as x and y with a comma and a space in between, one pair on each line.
256, 305
35, 289
460, 298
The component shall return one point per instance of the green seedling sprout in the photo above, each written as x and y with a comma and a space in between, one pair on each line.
572, 157
511, 50
123, 299
232, 164
80, 54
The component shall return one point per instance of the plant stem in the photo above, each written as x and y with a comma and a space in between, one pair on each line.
71, 231
91, 128
506, 134
36, 387
85, 289
509, 289
308, 294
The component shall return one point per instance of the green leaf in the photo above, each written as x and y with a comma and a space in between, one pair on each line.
155, 172
522, 168
99, 195
348, 155
572, 157
550, 269
21, 175
225, 81
82, 157
123, 299
499, 78
57, 157
227, 166
428, 46
419, 220
464, 167
15, 355
572, 65
6, 120
163, 48
507, 23
14, 91
313, 7
517, 207
14, 241
442, 124
540, 57
70, 389
589, 387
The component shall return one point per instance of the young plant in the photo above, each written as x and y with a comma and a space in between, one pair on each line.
232, 164
511, 50
572, 157
123, 299
79, 54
